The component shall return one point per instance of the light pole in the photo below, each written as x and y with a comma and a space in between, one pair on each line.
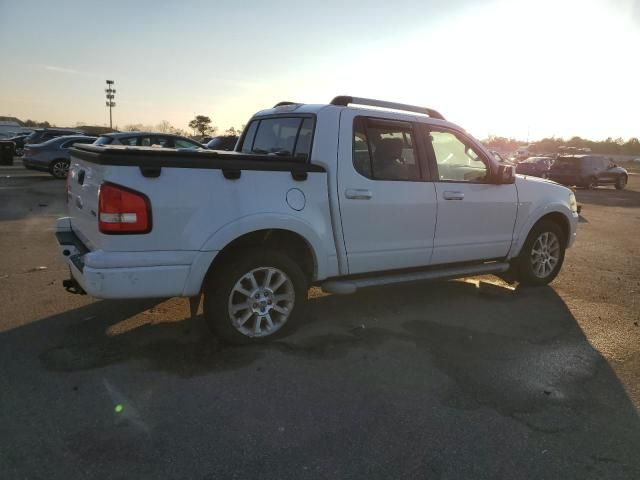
111, 95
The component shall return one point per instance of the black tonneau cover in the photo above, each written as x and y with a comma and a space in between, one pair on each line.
155, 158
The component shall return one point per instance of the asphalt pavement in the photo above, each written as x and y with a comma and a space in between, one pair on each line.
468, 379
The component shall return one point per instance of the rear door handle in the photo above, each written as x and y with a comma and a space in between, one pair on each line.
358, 194
453, 195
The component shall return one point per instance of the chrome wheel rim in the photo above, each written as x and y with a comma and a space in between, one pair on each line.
545, 254
261, 302
60, 169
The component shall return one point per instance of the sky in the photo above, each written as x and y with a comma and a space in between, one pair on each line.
517, 68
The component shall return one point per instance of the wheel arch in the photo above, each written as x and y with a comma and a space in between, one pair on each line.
559, 217
287, 241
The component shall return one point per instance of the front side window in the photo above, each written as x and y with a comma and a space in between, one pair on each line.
282, 136
457, 160
384, 150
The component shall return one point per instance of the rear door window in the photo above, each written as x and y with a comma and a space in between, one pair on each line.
281, 136
384, 150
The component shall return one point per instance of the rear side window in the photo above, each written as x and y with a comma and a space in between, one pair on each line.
284, 136
385, 150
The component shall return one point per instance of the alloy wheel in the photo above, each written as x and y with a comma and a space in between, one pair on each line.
545, 254
261, 302
60, 169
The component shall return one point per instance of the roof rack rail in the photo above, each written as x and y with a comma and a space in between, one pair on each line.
345, 100
282, 104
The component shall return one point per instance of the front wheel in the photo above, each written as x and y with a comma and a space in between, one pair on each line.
59, 168
254, 296
542, 254
621, 182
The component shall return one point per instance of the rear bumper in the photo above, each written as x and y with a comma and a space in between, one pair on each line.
148, 274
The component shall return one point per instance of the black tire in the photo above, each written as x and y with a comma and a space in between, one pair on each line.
524, 264
59, 168
621, 182
219, 294
591, 183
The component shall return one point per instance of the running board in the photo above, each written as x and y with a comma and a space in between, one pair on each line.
347, 286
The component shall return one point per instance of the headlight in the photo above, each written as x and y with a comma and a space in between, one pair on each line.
573, 205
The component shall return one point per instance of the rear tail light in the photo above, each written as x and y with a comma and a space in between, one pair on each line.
122, 210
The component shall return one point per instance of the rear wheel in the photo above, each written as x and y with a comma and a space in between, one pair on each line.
621, 182
542, 254
254, 296
59, 168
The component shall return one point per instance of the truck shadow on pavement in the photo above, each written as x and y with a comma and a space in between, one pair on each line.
476, 345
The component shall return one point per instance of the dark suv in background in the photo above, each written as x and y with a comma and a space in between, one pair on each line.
41, 135
588, 171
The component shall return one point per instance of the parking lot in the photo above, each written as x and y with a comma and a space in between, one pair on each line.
464, 379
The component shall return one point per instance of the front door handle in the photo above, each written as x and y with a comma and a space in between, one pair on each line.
358, 194
453, 195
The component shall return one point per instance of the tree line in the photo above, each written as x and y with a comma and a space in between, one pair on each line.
201, 125
610, 146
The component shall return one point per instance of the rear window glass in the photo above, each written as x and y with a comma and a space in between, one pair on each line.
103, 141
283, 136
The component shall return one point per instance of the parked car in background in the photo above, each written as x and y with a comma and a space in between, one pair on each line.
535, 166
40, 135
223, 142
147, 139
19, 141
522, 153
53, 155
588, 171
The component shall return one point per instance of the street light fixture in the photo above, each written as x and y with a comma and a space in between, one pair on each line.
111, 95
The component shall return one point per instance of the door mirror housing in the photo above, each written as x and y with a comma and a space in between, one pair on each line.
505, 174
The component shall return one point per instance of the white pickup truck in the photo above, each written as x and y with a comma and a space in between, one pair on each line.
348, 195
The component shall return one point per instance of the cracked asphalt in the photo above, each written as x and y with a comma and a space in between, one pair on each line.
468, 379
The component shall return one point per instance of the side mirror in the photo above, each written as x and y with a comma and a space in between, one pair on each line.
506, 174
